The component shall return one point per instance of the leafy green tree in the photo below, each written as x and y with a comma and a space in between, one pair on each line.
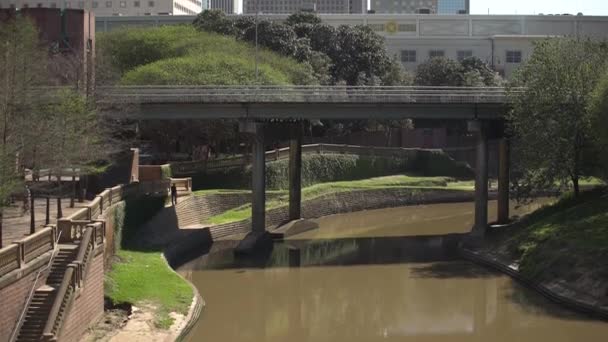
214, 21
302, 18
550, 119
471, 72
598, 107
439, 71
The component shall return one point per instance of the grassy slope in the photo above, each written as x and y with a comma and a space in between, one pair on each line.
568, 239
398, 181
146, 278
171, 55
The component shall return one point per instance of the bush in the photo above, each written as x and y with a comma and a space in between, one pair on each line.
321, 168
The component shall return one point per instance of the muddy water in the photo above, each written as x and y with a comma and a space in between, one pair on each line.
383, 275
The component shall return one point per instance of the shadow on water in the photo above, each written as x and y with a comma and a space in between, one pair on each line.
426, 258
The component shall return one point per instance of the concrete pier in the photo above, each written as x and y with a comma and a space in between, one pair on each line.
481, 179
503, 181
295, 172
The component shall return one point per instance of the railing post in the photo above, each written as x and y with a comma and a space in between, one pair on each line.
100, 204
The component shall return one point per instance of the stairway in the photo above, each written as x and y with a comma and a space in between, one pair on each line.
42, 301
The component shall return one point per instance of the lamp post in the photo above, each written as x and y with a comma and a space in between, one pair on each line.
256, 41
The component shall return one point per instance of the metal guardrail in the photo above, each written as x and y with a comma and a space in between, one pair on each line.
301, 94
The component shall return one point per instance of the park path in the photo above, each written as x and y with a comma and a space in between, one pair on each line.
16, 221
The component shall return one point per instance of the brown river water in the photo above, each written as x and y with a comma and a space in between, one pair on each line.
380, 275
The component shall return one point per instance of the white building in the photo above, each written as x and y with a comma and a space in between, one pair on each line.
117, 7
503, 41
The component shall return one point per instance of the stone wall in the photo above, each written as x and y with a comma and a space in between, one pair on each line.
14, 291
87, 308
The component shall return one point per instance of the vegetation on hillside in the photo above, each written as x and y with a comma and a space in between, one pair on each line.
337, 167
174, 55
352, 55
567, 241
281, 198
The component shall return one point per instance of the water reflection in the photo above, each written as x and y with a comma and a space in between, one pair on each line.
361, 288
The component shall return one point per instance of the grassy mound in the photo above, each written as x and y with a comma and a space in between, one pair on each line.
568, 239
171, 55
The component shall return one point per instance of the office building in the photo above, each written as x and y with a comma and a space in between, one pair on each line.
293, 6
419, 6
453, 6
116, 7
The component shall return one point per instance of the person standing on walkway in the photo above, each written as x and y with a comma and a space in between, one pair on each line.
173, 194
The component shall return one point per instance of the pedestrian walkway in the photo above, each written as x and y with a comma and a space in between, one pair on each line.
16, 220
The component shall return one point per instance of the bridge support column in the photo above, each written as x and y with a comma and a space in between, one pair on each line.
295, 172
503, 181
481, 179
258, 172
258, 184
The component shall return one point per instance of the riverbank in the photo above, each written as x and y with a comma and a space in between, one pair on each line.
560, 250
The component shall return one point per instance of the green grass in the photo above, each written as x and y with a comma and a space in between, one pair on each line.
317, 190
565, 238
179, 54
145, 278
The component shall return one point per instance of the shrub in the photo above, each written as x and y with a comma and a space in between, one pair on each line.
321, 168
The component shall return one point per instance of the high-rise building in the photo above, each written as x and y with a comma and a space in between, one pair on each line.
404, 6
293, 6
227, 6
117, 7
453, 7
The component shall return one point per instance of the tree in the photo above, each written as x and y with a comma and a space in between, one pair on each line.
598, 107
439, 71
470, 72
550, 120
302, 18
214, 21
22, 66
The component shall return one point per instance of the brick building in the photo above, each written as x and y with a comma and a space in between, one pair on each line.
70, 36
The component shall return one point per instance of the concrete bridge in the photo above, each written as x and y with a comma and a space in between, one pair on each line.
253, 105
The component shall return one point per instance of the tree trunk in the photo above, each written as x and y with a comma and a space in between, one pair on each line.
73, 189
1, 219
59, 210
575, 184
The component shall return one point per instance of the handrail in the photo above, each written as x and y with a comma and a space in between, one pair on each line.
73, 277
21, 318
54, 319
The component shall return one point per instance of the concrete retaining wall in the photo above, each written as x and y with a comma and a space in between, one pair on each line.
181, 244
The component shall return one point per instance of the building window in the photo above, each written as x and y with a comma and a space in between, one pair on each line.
462, 55
513, 56
424, 11
150, 3
108, 4
53, 5
94, 4
135, 3
408, 56
123, 4
80, 4
436, 53
39, 5
68, 4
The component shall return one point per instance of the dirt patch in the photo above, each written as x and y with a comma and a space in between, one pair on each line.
134, 325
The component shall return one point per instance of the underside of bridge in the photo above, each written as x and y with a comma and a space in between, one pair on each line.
482, 130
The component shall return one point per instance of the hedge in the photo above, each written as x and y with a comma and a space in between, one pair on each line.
320, 168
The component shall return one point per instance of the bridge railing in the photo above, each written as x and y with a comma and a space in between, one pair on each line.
302, 94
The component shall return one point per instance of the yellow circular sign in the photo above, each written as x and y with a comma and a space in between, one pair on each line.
390, 27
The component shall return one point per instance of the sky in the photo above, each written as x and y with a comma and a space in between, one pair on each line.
587, 7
